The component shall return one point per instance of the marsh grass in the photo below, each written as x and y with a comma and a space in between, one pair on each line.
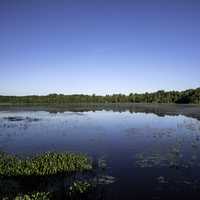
79, 187
43, 165
34, 196
51, 176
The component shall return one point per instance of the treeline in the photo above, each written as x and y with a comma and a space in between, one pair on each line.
191, 96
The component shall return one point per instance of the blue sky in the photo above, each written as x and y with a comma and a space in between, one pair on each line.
98, 46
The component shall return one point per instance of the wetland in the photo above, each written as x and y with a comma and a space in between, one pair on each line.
122, 151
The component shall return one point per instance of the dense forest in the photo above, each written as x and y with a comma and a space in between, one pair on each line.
188, 96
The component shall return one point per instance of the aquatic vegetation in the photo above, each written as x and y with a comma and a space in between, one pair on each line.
43, 165
16, 173
163, 132
79, 187
17, 122
40, 168
162, 144
172, 159
34, 196
105, 180
18, 119
194, 144
180, 183
191, 126
14, 119
156, 132
143, 160
102, 163
89, 189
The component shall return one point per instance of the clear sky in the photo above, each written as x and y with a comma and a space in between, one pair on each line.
98, 46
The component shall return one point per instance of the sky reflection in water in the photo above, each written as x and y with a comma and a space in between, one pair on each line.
140, 149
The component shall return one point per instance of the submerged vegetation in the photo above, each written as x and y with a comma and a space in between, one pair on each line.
174, 158
38, 177
51, 176
174, 150
43, 165
79, 189
187, 96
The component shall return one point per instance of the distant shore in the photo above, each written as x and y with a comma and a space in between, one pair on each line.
191, 96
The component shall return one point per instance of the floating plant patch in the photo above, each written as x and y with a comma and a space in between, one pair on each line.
179, 183
172, 159
14, 119
156, 132
43, 165
18, 118
102, 163
79, 187
105, 180
34, 196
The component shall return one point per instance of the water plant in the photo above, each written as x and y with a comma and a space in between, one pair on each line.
44, 164
79, 187
34, 196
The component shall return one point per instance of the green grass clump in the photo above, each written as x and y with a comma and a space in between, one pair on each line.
80, 187
43, 165
34, 196
80, 190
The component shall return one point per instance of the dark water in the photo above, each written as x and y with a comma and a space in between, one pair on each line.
152, 151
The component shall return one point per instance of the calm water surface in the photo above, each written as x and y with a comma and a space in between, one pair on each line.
149, 155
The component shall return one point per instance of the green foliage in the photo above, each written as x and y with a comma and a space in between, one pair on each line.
43, 165
80, 190
80, 187
34, 196
187, 96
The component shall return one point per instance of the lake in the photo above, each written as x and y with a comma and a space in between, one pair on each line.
149, 150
